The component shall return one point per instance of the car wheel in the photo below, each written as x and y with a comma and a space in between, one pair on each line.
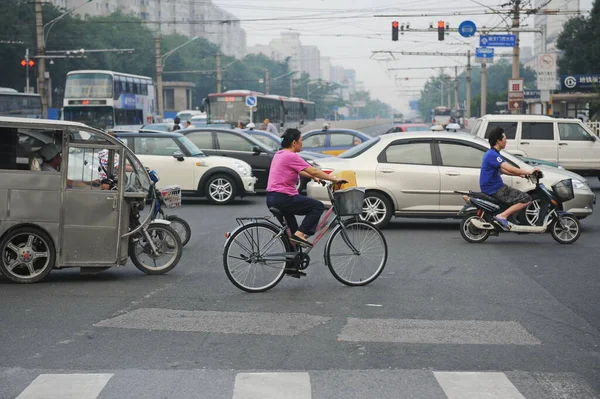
377, 209
221, 189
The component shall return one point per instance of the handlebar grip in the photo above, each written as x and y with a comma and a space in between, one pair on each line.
342, 182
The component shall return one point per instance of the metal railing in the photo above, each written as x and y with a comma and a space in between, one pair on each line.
595, 126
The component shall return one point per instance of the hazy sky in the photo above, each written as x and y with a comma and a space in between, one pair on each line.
360, 33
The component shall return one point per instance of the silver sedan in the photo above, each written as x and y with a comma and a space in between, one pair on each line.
415, 174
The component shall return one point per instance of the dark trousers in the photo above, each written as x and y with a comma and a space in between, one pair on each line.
297, 205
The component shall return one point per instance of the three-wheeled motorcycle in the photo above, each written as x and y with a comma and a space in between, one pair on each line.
71, 196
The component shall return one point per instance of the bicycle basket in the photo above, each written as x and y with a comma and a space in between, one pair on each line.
564, 190
172, 196
349, 202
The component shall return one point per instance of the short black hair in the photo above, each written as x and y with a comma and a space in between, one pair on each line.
289, 136
495, 135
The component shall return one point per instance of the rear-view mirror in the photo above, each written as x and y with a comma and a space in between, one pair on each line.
256, 150
178, 155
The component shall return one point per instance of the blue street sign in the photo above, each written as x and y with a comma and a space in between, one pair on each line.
251, 101
467, 28
570, 82
484, 52
498, 40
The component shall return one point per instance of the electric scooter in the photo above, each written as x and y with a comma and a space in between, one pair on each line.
478, 221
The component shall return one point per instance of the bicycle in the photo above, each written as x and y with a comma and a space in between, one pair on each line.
258, 253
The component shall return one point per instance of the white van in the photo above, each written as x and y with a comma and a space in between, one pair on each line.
568, 142
188, 114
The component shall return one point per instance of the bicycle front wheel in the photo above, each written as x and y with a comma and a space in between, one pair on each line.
356, 268
254, 257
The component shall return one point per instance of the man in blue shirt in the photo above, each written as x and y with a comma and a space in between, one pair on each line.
491, 183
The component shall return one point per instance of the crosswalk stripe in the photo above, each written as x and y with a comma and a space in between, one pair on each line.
66, 386
476, 385
272, 386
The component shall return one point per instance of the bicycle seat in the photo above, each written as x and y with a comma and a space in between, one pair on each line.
276, 212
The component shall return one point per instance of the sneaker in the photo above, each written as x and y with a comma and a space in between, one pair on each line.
297, 240
503, 223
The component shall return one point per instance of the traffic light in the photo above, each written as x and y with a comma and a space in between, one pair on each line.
29, 63
441, 27
395, 31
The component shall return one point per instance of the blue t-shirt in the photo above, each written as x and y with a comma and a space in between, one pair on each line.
489, 178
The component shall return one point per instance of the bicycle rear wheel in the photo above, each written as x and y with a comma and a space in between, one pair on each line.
356, 269
246, 257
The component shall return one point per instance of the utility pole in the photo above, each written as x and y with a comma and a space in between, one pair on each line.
483, 110
219, 72
515, 65
292, 86
449, 93
39, 30
468, 105
27, 70
456, 88
267, 82
159, 82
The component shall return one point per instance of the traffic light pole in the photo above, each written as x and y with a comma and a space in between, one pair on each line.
27, 70
515, 60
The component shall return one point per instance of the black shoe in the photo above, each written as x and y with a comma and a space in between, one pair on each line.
297, 240
293, 272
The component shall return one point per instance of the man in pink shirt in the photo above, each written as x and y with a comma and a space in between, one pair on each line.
282, 193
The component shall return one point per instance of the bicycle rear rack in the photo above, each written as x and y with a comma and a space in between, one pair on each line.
246, 220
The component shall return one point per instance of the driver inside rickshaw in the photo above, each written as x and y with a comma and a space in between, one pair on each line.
52, 159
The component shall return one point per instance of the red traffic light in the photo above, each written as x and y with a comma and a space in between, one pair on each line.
31, 63
23, 63
27, 63
395, 24
441, 24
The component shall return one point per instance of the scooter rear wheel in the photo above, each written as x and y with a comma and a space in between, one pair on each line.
566, 229
471, 233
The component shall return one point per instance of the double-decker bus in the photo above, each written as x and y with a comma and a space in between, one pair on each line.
21, 105
106, 99
441, 116
230, 107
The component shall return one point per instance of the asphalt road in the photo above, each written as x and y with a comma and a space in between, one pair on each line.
514, 317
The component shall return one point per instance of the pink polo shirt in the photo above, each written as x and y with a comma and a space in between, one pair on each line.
283, 175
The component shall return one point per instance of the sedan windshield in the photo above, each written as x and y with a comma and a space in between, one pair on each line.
359, 149
190, 146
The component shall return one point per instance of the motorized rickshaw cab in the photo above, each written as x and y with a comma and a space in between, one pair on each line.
67, 193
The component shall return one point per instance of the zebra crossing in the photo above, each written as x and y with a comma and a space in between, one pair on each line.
314, 384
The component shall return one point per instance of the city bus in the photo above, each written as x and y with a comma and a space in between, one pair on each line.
20, 105
441, 116
107, 99
230, 108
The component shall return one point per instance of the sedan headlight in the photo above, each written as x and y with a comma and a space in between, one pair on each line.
580, 185
241, 168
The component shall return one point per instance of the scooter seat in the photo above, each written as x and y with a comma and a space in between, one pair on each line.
486, 197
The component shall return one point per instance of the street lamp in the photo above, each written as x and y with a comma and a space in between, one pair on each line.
55, 20
167, 54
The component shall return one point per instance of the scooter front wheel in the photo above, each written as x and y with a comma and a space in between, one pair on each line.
565, 229
167, 244
471, 233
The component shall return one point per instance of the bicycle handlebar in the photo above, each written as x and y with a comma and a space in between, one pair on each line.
326, 182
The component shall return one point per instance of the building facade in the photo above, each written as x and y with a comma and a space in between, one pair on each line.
189, 18
554, 22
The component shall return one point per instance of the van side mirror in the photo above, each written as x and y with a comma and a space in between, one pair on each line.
178, 155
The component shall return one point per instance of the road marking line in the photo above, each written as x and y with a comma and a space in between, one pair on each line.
66, 386
474, 385
272, 386
468, 332
260, 323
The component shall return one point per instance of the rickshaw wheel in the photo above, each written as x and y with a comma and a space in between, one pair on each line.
28, 255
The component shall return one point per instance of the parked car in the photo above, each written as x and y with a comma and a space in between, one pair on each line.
567, 142
187, 115
332, 141
273, 141
178, 161
159, 127
237, 144
409, 127
415, 174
